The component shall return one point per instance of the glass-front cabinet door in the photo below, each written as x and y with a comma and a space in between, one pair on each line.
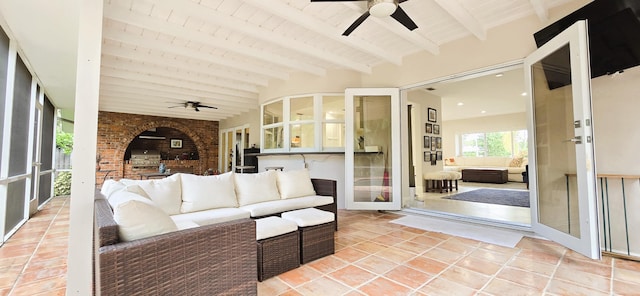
372, 152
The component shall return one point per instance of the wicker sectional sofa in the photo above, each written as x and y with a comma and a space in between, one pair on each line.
196, 250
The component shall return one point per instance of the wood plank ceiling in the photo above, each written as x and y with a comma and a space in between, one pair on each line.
161, 53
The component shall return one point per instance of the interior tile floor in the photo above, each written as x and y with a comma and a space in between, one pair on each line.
434, 202
373, 257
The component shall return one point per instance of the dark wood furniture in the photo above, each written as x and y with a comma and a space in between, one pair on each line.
485, 175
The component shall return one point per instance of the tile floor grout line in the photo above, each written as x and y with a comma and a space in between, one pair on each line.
553, 274
504, 265
53, 219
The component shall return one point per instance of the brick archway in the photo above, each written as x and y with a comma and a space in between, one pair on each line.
117, 130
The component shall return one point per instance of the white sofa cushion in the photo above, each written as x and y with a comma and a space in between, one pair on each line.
211, 216
294, 184
111, 186
256, 188
273, 226
207, 192
166, 193
278, 206
186, 224
122, 196
138, 220
321, 200
309, 217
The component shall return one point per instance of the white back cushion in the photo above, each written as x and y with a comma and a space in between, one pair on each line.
111, 187
207, 192
122, 196
296, 183
138, 220
166, 193
255, 188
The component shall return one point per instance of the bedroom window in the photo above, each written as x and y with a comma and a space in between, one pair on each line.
501, 144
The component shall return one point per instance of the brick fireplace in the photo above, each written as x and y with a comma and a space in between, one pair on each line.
116, 131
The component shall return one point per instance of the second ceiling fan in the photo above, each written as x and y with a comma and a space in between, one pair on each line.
379, 8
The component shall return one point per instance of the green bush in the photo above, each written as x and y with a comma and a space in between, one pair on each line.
62, 184
64, 141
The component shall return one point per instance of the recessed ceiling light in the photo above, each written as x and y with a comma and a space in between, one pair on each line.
499, 75
483, 112
460, 104
524, 94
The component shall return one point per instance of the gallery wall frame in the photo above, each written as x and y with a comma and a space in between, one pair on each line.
432, 115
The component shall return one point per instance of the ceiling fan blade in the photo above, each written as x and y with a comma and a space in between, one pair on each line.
179, 106
400, 1
210, 107
357, 23
336, 0
402, 17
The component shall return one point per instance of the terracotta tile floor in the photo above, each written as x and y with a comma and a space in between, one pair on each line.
373, 257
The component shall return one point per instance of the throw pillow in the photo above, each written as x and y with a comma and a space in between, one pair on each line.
293, 184
207, 192
138, 220
516, 162
123, 196
255, 188
166, 193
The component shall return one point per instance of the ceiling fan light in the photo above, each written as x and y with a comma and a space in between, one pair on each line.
382, 8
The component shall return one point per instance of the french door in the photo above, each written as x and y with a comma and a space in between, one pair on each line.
372, 150
562, 160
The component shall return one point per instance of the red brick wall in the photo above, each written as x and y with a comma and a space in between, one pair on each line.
117, 130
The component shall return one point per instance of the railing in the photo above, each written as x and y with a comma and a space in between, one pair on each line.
618, 207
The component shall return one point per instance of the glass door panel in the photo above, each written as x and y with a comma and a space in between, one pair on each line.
373, 151
562, 174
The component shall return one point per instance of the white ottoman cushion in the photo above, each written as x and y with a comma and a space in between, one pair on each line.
308, 217
273, 226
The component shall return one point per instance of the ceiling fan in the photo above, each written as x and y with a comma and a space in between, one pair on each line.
195, 105
379, 8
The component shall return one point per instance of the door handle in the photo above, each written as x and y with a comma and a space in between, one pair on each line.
576, 140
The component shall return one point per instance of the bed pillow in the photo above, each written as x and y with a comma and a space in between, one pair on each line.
255, 188
207, 192
292, 184
138, 220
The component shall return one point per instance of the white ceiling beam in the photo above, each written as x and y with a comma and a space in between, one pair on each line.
120, 73
141, 102
119, 14
158, 97
464, 17
296, 16
162, 71
198, 68
108, 107
213, 16
179, 92
400, 30
141, 41
541, 9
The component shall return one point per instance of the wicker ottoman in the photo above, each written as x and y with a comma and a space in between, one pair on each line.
278, 246
316, 228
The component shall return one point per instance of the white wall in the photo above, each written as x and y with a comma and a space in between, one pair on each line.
421, 101
252, 118
499, 123
616, 115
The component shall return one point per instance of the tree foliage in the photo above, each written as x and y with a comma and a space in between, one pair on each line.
64, 141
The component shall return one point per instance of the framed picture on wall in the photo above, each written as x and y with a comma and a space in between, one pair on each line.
438, 142
427, 156
176, 143
433, 143
434, 160
436, 129
428, 128
432, 115
427, 142
438, 155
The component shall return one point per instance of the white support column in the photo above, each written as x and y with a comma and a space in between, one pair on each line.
79, 262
